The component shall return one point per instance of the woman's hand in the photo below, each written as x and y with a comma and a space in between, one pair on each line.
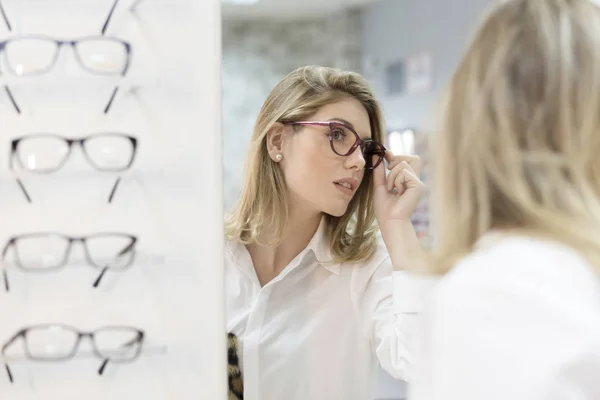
396, 196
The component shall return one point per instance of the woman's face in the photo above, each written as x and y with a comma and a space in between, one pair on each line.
318, 179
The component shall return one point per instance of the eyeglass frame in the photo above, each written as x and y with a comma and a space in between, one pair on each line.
130, 248
22, 333
359, 142
113, 95
73, 43
70, 143
132, 9
111, 99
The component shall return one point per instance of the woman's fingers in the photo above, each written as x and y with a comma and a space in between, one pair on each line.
408, 179
413, 161
395, 173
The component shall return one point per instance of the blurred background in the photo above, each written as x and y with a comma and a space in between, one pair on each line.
407, 49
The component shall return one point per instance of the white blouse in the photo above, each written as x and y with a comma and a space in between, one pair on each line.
518, 319
317, 330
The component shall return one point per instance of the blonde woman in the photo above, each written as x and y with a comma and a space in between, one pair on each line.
311, 294
517, 192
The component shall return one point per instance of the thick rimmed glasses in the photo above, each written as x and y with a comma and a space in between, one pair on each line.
344, 140
47, 153
59, 342
50, 251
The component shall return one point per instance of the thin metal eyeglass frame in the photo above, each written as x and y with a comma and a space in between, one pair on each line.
14, 150
130, 248
358, 143
138, 340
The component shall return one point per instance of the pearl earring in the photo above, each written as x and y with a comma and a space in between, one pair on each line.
278, 157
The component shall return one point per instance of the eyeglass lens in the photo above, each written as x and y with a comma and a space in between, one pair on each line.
343, 139
372, 152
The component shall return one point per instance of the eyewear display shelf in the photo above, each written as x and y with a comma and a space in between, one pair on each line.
111, 282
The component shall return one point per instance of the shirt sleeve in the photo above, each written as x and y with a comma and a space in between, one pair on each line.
520, 334
388, 305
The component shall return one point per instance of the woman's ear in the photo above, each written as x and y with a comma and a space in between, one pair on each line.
275, 137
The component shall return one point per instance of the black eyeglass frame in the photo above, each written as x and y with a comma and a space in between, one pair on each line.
129, 248
70, 142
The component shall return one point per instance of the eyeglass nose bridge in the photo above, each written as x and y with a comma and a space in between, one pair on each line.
76, 239
82, 335
91, 340
73, 141
360, 143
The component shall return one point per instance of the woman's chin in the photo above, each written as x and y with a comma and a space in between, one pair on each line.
337, 211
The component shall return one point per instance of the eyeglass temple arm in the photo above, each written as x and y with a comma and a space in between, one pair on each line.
6, 346
5, 278
133, 341
4, 274
8, 372
111, 100
103, 31
99, 278
5, 18
7, 89
124, 251
109, 17
19, 182
12, 99
25, 193
114, 190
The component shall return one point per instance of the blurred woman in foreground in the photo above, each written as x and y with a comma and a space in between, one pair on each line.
517, 315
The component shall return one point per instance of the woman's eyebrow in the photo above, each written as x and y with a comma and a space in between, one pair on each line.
348, 123
343, 121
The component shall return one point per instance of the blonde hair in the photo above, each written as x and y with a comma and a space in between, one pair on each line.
263, 203
518, 148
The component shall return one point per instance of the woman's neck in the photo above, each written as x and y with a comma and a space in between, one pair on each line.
269, 261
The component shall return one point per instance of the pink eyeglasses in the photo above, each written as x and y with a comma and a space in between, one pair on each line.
344, 140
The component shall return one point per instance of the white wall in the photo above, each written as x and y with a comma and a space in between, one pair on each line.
174, 290
394, 30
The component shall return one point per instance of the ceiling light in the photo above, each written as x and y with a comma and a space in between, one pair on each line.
402, 142
240, 2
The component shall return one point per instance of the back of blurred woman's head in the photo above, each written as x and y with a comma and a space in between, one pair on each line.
518, 147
